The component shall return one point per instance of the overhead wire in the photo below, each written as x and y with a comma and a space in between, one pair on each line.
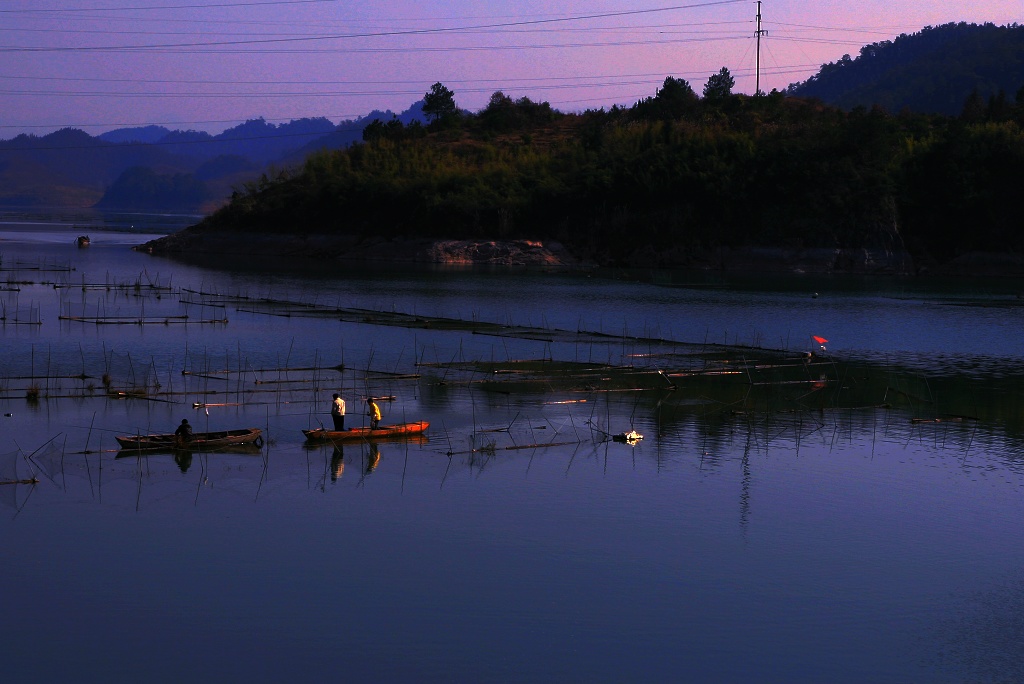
670, 33
659, 28
372, 34
209, 5
506, 88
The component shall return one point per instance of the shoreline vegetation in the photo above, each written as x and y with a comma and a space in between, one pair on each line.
720, 182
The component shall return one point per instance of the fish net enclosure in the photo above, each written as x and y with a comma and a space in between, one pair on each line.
9, 466
77, 470
13, 471
47, 462
41, 374
124, 375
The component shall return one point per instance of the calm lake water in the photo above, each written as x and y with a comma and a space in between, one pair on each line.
852, 516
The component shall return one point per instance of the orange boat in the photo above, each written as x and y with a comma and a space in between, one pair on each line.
382, 432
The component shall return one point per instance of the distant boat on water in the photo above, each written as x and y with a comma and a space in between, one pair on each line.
82, 241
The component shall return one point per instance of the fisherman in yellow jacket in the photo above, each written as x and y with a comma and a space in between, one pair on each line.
373, 411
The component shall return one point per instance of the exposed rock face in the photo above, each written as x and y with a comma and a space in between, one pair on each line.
504, 253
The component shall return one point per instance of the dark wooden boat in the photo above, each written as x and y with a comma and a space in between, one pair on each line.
382, 432
82, 240
200, 441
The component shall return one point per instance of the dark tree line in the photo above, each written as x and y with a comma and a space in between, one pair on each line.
668, 179
928, 71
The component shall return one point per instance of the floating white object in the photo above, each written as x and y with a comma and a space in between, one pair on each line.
631, 437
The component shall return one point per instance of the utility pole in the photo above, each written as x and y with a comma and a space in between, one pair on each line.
757, 60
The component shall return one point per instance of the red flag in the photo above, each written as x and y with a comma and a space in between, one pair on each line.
819, 340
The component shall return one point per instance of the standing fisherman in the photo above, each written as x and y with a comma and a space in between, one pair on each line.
338, 412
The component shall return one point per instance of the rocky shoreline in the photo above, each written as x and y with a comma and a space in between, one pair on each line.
535, 253
350, 248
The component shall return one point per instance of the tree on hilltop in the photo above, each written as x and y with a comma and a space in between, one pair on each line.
439, 103
719, 86
674, 99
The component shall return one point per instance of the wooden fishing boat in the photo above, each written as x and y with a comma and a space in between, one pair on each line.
382, 432
200, 441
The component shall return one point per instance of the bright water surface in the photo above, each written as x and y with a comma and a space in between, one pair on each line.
734, 543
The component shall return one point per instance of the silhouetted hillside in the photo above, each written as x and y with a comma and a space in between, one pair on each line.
145, 134
226, 165
350, 132
71, 168
142, 189
934, 71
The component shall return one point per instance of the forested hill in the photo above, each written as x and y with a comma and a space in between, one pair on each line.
152, 168
668, 182
932, 71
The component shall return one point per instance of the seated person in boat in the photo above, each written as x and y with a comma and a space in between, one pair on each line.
373, 411
184, 432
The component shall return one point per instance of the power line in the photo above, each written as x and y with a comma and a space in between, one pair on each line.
333, 93
444, 48
162, 7
851, 29
513, 79
819, 41
372, 34
214, 140
465, 26
639, 28
505, 86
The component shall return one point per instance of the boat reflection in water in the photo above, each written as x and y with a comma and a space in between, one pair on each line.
373, 458
183, 454
184, 460
337, 463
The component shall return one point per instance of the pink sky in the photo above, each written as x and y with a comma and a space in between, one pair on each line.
210, 64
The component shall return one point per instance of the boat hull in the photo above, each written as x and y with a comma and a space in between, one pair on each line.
399, 431
237, 449
200, 441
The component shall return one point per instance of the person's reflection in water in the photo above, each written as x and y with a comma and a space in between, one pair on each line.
183, 459
373, 458
337, 463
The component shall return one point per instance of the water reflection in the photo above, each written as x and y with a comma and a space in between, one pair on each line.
372, 458
183, 459
337, 463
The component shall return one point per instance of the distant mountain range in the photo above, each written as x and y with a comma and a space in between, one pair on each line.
153, 168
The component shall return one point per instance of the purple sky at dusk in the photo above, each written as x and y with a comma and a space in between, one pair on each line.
211, 64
